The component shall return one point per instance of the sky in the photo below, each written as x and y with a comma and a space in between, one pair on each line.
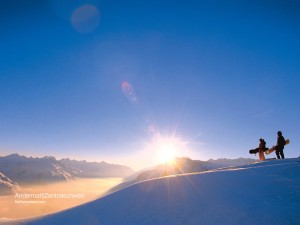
113, 80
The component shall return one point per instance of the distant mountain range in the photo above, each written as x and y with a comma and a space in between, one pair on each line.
16, 169
187, 165
182, 165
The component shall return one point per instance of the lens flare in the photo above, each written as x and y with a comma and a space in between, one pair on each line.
129, 92
85, 18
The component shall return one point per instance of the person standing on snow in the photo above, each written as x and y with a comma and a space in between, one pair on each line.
261, 149
280, 145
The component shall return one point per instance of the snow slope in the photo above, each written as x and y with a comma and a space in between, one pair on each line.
261, 193
7, 186
181, 165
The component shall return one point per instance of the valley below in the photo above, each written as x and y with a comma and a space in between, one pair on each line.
41, 199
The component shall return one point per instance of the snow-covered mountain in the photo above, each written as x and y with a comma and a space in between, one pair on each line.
260, 193
96, 169
7, 186
223, 162
25, 170
187, 165
180, 165
30, 170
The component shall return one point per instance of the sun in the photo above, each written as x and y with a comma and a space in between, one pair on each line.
167, 153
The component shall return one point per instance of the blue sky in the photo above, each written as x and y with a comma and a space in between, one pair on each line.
213, 76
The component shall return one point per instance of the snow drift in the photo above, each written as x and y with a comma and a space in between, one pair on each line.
261, 193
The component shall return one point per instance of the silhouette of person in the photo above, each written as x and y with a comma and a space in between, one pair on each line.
261, 149
280, 145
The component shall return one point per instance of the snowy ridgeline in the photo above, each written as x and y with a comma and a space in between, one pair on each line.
260, 193
7, 186
187, 165
16, 169
180, 166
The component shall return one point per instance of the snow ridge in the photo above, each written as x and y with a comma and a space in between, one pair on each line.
7, 186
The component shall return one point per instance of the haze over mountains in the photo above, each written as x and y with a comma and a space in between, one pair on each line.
16, 169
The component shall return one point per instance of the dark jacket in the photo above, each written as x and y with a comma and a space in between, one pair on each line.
280, 142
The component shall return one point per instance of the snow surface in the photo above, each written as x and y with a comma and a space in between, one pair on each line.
261, 193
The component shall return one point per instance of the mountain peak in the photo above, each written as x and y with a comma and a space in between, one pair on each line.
14, 156
47, 169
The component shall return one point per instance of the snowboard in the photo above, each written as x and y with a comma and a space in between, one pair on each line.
287, 141
255, 150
